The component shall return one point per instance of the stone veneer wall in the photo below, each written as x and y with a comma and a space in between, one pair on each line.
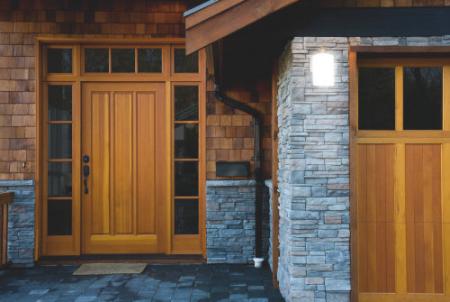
314, 169
20, 221
269, 186
230, 221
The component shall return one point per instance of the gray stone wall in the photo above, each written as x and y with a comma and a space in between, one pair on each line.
314, 263
230, 221
20, 222
269, 186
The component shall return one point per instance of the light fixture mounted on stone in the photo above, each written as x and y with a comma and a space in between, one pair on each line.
323, 69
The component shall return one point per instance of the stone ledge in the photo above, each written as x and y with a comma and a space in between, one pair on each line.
231, 183
16, 183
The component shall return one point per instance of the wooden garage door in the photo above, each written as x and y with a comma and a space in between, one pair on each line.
400, 180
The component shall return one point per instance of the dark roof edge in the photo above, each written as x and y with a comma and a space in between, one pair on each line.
199, 7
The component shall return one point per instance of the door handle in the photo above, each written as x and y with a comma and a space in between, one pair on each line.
86, 172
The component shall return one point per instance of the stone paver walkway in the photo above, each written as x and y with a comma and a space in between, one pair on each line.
157, 283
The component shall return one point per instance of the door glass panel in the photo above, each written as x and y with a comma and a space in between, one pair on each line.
376, 95
59, 217
60, 102
149, 60
122, 59
186, 216
186, 103
185, 64
59, 60
186, 178
422, 90
60, 141
96, 60
186, 140
60, 179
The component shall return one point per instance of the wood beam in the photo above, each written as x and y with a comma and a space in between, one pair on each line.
211, 24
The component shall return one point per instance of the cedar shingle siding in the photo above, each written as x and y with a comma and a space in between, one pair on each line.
21, 21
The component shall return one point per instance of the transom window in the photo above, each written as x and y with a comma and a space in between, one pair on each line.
406, 96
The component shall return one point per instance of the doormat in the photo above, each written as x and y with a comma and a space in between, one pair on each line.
109, 269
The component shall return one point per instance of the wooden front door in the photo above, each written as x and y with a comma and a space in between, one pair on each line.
401, 180
125, 147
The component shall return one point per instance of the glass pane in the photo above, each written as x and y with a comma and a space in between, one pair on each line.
186, 141
185, 64
376, 98
122, 60
186, 216
60, 179
59, 217
96, 60
149, 60
422, 98
59, 60
60, 141
60, 103
186, 178
186, 103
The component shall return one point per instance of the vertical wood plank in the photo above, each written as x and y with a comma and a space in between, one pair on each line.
400, 219
146, 172
424, 222
123, 176
100, 163
446, 215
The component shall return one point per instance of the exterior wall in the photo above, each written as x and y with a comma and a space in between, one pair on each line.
269, 186
230, 221
230, 132
18, 28
21, 221
314, 263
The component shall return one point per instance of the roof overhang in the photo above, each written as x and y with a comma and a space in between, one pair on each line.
216, 19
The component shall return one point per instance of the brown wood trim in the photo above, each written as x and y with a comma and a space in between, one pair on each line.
101, 39
353, 112
210, 11
6, 198
230, 20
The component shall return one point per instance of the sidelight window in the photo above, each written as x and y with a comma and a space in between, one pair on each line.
59, 160
186, 135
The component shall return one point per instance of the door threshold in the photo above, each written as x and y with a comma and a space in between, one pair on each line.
133, 258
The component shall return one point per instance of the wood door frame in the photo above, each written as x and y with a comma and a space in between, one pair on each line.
422, 136
76, 78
